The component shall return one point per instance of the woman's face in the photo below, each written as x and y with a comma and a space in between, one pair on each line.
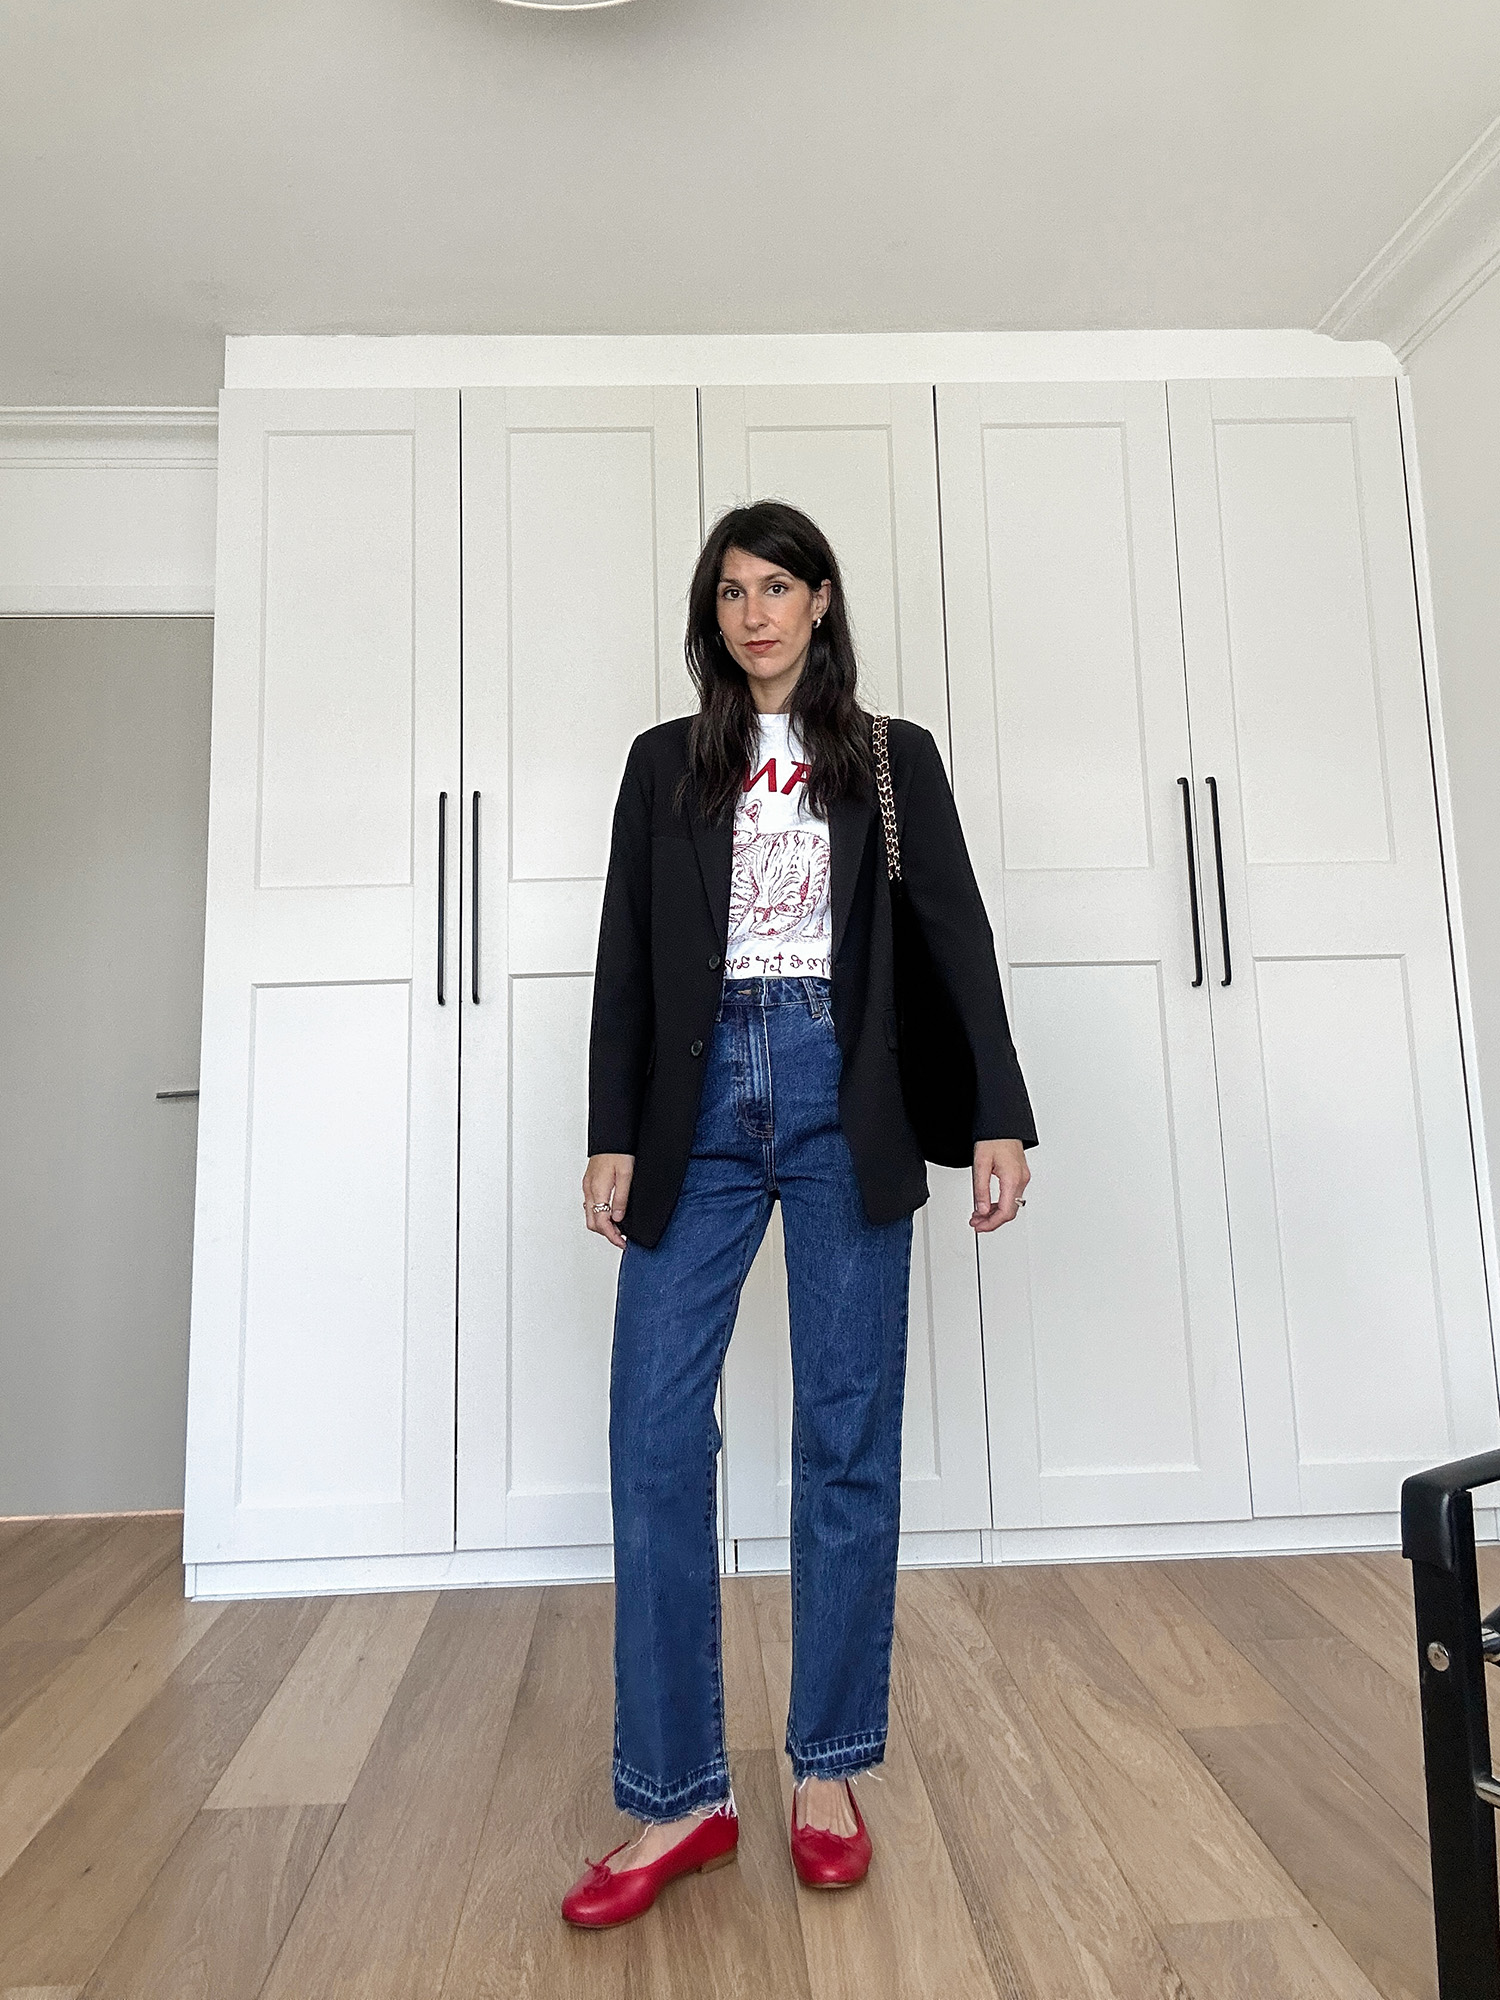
766, 616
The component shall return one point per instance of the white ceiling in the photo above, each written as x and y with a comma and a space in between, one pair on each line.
171, 171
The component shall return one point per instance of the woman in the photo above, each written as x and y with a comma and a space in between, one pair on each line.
743, 1050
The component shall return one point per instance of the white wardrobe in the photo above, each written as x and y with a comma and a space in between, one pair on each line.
1166, 633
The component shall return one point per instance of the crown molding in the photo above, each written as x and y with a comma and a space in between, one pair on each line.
1445, 250
107, 513
80, 436
511, 361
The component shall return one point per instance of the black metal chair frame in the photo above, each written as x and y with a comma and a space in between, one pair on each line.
1437, 1539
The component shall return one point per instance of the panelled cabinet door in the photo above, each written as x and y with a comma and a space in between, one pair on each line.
1351, 1180
862, 462
1113, 1374
581, 529
322, 1357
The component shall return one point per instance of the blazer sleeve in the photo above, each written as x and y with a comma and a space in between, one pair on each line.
947, 903
623, 1023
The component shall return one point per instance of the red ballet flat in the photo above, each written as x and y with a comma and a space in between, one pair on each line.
825, 1860
603, 1897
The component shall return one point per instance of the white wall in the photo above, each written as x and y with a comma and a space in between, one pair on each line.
1455, 378
103, 839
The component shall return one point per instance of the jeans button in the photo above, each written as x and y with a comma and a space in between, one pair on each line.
713, 961
695, 1049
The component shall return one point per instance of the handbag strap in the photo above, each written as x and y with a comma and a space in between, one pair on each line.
887, 797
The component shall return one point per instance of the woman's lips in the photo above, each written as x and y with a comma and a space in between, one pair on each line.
759, 645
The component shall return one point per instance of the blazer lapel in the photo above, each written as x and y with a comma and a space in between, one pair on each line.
715, 845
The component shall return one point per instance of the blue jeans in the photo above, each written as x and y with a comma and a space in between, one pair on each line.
768, 1126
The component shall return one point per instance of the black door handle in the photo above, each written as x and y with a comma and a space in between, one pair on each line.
474, 905
1213, 799
1192, 860
442, 893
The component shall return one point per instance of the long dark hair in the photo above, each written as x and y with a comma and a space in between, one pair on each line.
832, 727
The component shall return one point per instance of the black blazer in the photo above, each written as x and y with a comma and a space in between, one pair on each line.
662, 937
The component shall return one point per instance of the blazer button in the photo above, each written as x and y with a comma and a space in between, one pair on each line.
695, 1049
713, 961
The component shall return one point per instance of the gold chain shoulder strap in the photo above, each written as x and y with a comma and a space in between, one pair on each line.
887, 798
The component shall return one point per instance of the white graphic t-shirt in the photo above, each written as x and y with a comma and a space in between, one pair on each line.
779, 921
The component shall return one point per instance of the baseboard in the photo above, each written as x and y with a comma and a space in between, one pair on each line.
343, 1576
476, 1569
97, 1514
1280, 1535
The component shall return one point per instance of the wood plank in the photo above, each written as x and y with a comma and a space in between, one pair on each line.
907, 1930
550, 1811
314, 1735
81, 1602
1254, 1960
1375, 1723
1371, 1719
735, 1931
43, 1555
14, 1528
732, 1931
1188, 1859
748, 1723
1247, 1602
1366, 1597
56, 1738
1355, 1859
68, 1896
25, 1669
380, 1913
1197, 1677
1052, 1911
212, 1921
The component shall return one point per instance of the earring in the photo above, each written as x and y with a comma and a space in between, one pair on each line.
817, 621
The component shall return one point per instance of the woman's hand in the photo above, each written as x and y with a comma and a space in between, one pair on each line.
606, 1178
1003, 1160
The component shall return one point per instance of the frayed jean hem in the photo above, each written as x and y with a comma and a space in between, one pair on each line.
658, 1805
839, 1757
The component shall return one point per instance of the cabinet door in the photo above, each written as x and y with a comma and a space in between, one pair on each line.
1351, 1181
862, 462
581, 529
1109, 1328
322, 1354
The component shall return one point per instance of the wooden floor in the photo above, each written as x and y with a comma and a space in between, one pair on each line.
1157, 1781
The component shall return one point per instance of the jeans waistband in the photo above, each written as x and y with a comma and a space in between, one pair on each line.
770, 990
